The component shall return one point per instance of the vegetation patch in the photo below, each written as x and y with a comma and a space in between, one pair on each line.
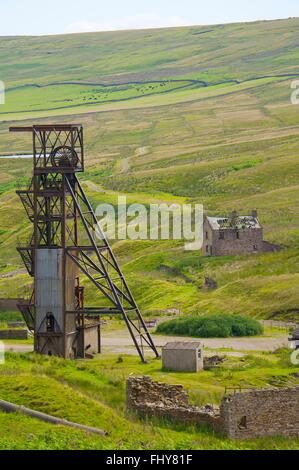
245, 165
10, 317
230, 145
213, 326
93, 393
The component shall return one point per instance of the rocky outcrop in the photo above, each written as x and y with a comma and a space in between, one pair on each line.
209, 362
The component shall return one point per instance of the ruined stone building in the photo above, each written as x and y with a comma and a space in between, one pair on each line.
241, 415
234, 235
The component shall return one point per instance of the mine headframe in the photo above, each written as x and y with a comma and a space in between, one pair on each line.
66, 241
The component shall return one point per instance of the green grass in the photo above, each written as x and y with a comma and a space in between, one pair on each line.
212, 326
56, 97
10, 316
93, 393
232, 144
247, 49
227, 145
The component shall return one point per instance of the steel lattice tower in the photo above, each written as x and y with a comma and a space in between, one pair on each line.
63, 245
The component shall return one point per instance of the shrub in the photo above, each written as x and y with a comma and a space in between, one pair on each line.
10, 316
212, 326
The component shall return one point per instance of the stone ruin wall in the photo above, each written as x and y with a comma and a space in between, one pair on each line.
9, 304
13, 334
149, 398
230, 245
269, 412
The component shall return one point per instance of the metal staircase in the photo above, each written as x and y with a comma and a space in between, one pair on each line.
64, 223
26, 254
27, 309
27, 201
99, 264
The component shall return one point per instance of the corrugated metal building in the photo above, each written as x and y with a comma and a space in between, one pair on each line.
56, 332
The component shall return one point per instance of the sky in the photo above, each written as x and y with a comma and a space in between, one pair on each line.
37, 17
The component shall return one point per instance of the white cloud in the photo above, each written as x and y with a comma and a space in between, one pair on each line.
127, 22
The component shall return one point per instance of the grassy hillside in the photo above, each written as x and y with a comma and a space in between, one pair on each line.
127, 68
93, 393
199, 114
213, 54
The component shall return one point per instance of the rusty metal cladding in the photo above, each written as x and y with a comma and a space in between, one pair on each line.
57, 253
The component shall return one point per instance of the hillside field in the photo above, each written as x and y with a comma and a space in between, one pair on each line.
195, 115
93, 393
180, 115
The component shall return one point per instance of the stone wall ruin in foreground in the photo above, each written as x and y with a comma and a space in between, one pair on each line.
256, 413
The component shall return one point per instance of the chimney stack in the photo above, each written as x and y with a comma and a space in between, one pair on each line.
234, 217
254, 214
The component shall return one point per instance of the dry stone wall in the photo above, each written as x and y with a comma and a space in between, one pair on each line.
9, 304
13, 334
149, 398
257, 413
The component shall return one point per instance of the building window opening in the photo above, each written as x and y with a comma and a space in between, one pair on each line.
221, 235
207, 236
238, 235
50, 322
243, 423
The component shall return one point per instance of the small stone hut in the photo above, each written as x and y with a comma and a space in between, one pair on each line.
183, 356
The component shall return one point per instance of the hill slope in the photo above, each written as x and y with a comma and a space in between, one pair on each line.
205, 125
93, 393
211, 53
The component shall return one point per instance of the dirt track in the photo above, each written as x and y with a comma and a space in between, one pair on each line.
119, 341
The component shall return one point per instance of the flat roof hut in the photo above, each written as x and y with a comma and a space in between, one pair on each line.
183, 356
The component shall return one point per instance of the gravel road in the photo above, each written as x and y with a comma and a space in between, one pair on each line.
119, 341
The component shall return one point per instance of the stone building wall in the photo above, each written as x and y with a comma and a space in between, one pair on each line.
144, 391
13, 334
269, 412
249, 241
9, 304
261, 413
149, 398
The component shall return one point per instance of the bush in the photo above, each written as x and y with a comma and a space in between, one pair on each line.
212, 326
10, 316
